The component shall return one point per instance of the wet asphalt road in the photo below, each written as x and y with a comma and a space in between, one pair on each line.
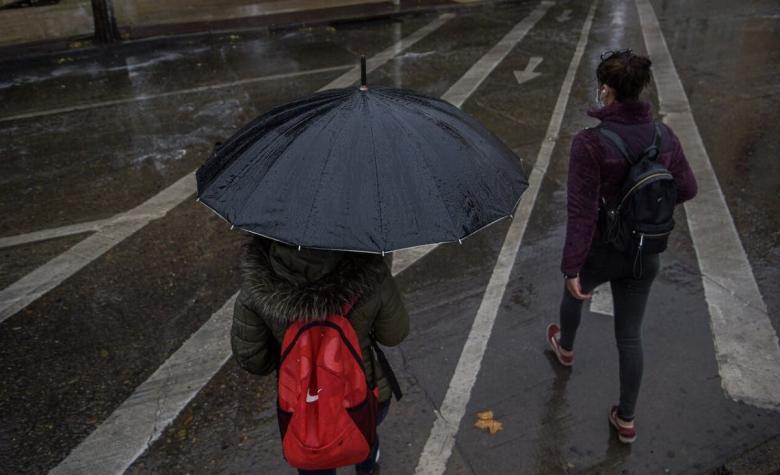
70, 358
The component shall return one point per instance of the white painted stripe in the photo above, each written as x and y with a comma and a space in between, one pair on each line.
40, 281
141, 419
438, 448
130, 100
746, 344
384, 56
52, 233
602, 300
404, 259
459, 92
465, 87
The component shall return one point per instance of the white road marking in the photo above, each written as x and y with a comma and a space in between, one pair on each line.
37, 283
40, 281
459, 92
602, 300
52, 233
564, 17
130, 100
381, 58
438, 448
746, 344
404, 259
529, 72
469, 82
140, 420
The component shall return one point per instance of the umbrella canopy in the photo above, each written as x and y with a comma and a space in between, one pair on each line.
362, 169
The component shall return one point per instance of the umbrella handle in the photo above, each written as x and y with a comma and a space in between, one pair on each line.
363, 86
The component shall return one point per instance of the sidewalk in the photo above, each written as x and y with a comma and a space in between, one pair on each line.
72, 19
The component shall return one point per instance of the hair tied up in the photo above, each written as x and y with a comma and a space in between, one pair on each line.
628, 76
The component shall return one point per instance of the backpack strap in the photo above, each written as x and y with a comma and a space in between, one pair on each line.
654, 149
619, 143
651, 152
387, 370
380, 356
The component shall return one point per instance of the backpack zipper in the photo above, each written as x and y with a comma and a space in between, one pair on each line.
642, 182
644, 235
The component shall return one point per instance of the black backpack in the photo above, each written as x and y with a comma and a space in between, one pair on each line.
642, 218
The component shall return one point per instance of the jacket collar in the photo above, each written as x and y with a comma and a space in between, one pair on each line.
628, 112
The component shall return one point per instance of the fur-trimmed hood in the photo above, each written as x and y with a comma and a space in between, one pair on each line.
288, 284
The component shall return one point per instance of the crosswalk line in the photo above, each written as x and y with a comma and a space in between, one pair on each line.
746, 344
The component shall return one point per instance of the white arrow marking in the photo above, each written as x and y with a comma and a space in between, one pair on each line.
528, 73
565, 16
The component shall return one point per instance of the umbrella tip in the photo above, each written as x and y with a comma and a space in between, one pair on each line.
363, 86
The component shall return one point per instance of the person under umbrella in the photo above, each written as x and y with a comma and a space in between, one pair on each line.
327, 185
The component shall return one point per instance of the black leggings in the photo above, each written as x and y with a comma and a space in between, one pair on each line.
629, 295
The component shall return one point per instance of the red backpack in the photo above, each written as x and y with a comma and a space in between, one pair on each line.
327, 413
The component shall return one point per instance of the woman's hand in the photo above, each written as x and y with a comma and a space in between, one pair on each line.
575, 289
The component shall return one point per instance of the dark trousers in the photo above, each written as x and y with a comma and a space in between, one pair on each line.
365, 467
629, 294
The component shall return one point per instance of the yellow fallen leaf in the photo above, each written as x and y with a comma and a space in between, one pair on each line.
482, 424
495, 426
485, 421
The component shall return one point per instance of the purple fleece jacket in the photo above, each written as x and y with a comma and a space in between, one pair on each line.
596, 169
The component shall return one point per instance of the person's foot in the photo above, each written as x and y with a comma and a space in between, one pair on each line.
566, 358
625, 429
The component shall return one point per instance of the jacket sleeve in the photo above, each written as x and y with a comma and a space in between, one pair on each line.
583, 192
681, 171
254, 346
391, 324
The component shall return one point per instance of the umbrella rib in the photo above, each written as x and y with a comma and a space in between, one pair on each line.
333, 113
426, 165
454, 131
298, 124
378, 194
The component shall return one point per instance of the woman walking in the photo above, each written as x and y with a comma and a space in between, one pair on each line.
598, 169
282, 285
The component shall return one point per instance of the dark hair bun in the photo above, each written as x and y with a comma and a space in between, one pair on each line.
627, 74
638, 63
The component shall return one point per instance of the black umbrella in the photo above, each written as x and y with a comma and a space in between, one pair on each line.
362, 169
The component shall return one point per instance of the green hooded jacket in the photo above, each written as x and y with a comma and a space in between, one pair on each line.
281, 284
